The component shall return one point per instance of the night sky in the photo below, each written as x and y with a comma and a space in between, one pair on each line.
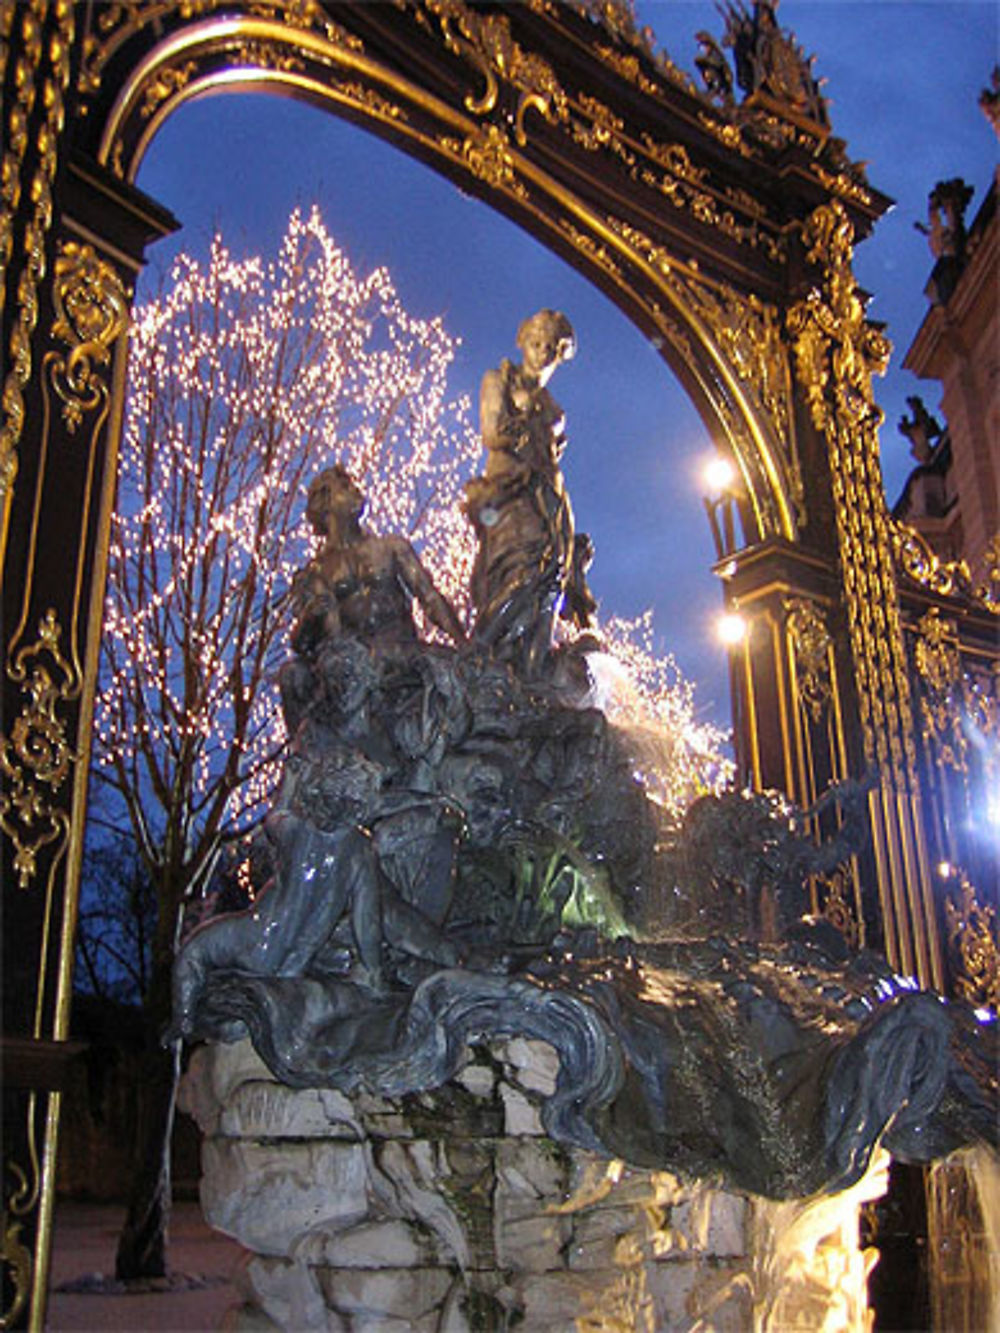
903, 80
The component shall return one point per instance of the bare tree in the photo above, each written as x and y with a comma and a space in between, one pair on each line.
245, 379
116, 922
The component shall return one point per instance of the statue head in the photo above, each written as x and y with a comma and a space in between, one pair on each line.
333, 498
546, 340
479, 789
337, 787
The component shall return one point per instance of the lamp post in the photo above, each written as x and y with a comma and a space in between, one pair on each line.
721, 497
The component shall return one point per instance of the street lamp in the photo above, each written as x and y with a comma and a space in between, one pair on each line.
731, 628
721, 481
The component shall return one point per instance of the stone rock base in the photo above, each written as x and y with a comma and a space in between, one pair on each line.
452, 1212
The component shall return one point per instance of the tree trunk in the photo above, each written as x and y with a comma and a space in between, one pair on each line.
142, 1245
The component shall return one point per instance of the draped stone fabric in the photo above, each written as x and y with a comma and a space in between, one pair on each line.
749, 1066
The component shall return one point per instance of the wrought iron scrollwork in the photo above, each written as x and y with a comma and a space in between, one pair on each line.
811, 643
837, 351
950, 578
91, 311
91, 307
36, 758
21, 1190
16, 188
972, 935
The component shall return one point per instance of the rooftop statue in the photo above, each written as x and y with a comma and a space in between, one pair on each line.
463, 850
923, 430
714, 68
989, 100
946, 207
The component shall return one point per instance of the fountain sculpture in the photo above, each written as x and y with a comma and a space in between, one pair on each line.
466, 863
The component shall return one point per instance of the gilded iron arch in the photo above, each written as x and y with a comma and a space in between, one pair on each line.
703, 219
493, 119
687, 211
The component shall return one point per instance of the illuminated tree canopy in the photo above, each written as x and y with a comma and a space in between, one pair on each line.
246, 379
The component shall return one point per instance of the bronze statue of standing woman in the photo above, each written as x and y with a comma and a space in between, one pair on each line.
519, 507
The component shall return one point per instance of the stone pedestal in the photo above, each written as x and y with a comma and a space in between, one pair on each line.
451, 1211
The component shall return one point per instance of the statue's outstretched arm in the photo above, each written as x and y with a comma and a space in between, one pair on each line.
419, 584
491, 409
500, 423
315, 610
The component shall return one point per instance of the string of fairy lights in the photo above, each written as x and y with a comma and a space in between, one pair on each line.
246, 378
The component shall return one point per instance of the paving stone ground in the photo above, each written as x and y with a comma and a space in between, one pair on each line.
84, 1240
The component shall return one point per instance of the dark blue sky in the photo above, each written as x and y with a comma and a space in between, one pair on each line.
903, 79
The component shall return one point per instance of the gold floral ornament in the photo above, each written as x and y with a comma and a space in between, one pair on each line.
371, 100
950, 578
832, 334
269, 55
595, 127
18, 183
748, 331
604, 128
91, 306
987, 590
981, 694
36, 756
939, 666
585, 243
936, 653
16, 1256
486, 41
837, 351
748, 340
488, 156
810, 642
836, 906
116, 24
841, 183
168, 82
628, 68
971, 933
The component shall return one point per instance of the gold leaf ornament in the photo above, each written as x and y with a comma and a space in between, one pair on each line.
91, 305
811, 643
36, 755
971, 933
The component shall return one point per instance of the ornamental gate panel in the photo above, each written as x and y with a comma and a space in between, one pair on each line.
720, 220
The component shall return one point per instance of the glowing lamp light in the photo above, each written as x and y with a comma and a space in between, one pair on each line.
944, 869
718, 475
731, 629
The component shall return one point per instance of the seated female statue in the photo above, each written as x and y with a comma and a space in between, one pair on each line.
357, 586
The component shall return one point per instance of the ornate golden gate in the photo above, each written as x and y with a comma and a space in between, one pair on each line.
720, 221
